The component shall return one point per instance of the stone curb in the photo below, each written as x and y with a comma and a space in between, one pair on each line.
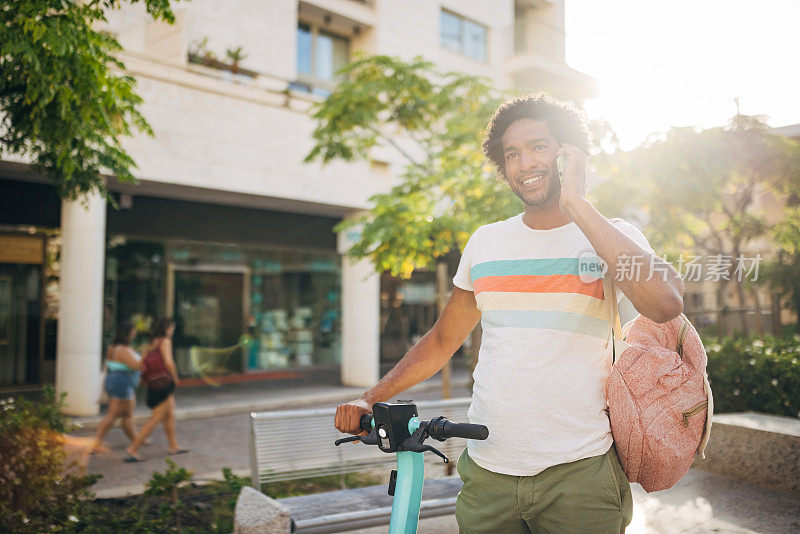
131, 490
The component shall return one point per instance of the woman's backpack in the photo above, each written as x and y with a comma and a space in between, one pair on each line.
659, 399
154, 373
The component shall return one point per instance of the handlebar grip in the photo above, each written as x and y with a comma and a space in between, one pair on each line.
366, 422
465, 430
441, 429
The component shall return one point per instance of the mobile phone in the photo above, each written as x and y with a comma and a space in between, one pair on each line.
561, 163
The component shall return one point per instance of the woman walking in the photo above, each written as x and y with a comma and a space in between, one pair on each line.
160, 376
123, 365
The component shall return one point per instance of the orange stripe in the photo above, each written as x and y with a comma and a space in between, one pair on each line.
555, 283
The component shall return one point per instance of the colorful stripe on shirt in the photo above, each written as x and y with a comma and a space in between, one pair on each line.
543, 293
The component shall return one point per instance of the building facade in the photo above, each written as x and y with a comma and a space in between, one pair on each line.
228, 231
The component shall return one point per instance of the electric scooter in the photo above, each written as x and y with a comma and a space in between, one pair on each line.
397, 428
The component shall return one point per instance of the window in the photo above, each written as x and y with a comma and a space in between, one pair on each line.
695, 300
520, 31
463, 36
283, 305
319, 56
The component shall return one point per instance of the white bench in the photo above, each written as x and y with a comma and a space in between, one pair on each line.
292, 444
295, 444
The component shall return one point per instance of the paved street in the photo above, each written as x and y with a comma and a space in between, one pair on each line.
214, 442
701, 503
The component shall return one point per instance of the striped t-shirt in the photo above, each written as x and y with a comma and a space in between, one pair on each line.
539, 383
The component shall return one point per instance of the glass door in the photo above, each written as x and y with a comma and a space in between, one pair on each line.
20, 323
209, 311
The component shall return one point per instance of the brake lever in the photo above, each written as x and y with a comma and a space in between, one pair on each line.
414, 443
437, 452
346, 440
369, 439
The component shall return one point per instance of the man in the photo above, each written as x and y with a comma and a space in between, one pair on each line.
549, 464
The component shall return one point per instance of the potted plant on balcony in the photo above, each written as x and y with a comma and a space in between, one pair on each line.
235, 55
200, 54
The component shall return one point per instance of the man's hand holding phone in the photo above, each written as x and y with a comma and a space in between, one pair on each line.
561, 164
571, 165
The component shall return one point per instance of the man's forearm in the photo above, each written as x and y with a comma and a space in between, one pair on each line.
421, 362
658, 297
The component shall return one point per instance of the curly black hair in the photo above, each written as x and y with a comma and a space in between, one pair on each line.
566, 123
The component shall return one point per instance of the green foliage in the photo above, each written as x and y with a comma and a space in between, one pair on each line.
760, 374
167, 484
119, 515
232, 485
236, 54
434, 121
696, 188
170, 503
202, 508
38, 491
782, 275
64, 102
697, 192
158, 9
306, 486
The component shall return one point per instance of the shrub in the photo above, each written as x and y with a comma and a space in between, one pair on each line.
166, 485
38, 490
171, 503
759, 374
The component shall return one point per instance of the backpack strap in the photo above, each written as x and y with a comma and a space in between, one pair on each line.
610, 296
682, 336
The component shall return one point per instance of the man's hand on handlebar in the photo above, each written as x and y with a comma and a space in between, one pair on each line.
348, 416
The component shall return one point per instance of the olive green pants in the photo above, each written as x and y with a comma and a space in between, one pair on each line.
589, 495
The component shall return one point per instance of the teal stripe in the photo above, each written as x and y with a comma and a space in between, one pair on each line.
525, 267
118, 366
550, 320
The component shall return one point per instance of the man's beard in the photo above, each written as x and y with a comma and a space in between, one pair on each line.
552, 192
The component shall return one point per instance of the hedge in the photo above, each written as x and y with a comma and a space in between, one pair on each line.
759, 374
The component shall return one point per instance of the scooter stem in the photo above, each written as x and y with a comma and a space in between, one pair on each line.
407, 493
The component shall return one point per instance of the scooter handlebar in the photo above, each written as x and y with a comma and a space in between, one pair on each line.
366, 422
441, 429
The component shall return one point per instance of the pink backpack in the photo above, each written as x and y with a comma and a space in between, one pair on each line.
659, 400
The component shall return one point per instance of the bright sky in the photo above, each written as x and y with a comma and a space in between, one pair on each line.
679, 63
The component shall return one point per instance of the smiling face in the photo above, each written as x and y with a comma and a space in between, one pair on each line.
529, 151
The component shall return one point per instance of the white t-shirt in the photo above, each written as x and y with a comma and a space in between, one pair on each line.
542, 367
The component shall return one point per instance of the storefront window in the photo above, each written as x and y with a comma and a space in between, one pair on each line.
408, 311
238, 309
21, 334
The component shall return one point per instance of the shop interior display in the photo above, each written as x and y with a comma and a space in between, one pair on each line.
278, 308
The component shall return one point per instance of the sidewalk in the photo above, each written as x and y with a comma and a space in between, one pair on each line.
202, 402
214, 426
701, 503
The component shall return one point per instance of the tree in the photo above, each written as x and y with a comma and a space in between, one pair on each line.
782, 275
696, 189
434, 121
64, 100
